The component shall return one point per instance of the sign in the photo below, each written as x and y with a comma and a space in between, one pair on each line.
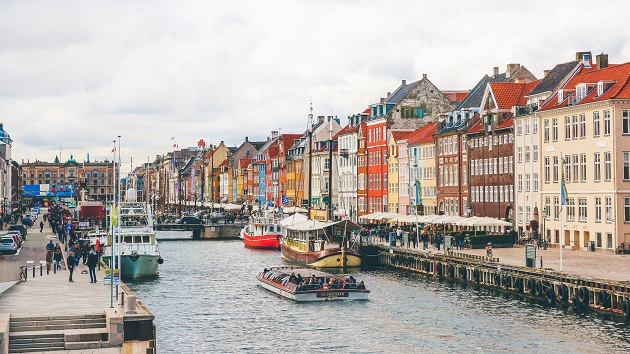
108, 277
448, 240
530, 256
333, 294
84, 224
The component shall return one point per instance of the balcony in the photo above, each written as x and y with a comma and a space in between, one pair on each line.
526, 109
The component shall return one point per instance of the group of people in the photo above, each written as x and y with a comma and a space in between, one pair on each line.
332, 283
84, 254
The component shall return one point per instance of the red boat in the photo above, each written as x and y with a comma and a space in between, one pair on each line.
262, 233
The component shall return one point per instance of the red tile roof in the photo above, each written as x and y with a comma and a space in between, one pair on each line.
244, 162
273, 151
509, 94
620, 89
508, 123
423, 134
476, 128
401, 134
455, 96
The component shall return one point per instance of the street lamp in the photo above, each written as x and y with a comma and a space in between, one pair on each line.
544, 212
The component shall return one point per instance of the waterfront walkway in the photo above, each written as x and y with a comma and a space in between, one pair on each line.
53, 294
600, 265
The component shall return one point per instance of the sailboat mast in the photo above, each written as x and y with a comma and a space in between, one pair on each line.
310, 159
330, 167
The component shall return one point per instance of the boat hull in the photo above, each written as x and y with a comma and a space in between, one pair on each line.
266, 241
328, 258
317, 295
145, 265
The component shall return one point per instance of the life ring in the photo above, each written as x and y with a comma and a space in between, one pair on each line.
160, 260
476, 275
625, 308
563, 292
583, 296
603, 299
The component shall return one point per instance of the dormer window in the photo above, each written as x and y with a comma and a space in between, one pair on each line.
580, 91
560, 96
600, 88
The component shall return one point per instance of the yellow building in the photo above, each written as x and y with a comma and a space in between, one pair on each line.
393, 169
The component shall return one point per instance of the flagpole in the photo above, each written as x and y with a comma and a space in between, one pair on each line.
118, 208
562, 203
112, 259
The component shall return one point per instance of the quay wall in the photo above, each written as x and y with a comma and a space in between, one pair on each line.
548, 286
219, 232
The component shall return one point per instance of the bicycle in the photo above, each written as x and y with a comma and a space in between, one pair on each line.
23, 273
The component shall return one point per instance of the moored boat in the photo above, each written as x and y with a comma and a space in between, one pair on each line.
304, 284
262, 232
321, 245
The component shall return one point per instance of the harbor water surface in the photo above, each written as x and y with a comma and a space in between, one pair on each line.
206, 300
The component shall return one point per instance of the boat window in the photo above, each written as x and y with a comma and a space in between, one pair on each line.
146, 239
137, 239
128, 239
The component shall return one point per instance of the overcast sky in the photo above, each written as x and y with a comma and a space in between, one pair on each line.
76, 74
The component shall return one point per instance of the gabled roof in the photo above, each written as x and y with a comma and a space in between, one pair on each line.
348, 129
509, 122
617, 77
476, 128
508, 94
224, 163
401, 92
423, 134
244, 162
401, 134
555, 77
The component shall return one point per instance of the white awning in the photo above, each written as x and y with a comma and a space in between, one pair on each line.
293, 219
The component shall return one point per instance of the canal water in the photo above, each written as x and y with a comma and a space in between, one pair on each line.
206, 300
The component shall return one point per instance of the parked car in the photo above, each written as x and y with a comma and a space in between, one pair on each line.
23, 230
15, 238
8, 245
18, 234
190, 219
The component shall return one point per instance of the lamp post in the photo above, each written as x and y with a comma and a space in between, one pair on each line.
544, 232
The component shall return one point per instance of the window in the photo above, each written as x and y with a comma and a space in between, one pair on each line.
547, 210
626, 166
556, 208
534, 125
570, 209
520, 182
598, 237
626, 210
546, 130
606, 122
535, 153
555, 129
555, 169
582, 125
527, 154
520, 154
625, 119
596, 124
609, 240
607, 166
567, 128
519, 127
527, 182
598, 209
535, 182
527, 126
580, 91
609, 214
547, 170
582, 209
583, 168
574, 119
597, 173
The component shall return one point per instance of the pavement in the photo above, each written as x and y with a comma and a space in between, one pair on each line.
600, 265
52, 294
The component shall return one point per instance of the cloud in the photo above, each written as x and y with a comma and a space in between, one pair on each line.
76, 75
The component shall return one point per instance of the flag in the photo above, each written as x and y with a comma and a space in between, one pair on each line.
268, 202
563, 186
285, 200
114, 150
114, 216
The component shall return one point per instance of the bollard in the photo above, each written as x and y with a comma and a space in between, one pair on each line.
54, 268
33, 270
541, 263
131, 304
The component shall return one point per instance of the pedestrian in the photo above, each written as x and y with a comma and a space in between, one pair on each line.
91, 263
85, 250
57, 256
41, 226
49, 259
50, 246
70, 265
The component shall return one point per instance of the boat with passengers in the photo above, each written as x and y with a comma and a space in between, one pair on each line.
305, 284
321, 244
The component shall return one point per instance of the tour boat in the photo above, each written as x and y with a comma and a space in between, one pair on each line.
322, 245
304, 284
135, 240
262, 232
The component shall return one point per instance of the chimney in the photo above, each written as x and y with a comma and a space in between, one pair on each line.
320, 119
382, 100
221, 142
389, 94
511, 69
404, 82
246, 139
424, 76
495, 71
546, 72
602, 61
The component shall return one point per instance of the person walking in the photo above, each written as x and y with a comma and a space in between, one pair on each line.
70, 265
41, 226
50, 246
92, 260
49, 260
57, 257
